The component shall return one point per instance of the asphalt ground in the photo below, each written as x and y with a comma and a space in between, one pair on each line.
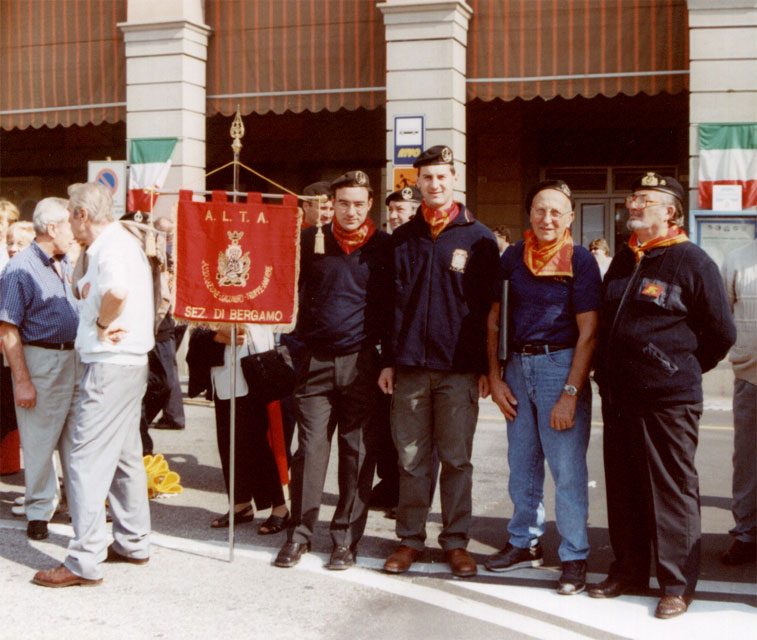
191, 590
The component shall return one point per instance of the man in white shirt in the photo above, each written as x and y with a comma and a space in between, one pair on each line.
114, 335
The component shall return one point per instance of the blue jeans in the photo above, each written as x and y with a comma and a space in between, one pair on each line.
537, 382
744, 473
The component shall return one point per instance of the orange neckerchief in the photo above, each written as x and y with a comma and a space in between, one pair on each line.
555, 259
675, 235
438, 219
351, 240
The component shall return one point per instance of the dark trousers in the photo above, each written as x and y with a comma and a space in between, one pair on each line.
336, 391
653, 493
256, 475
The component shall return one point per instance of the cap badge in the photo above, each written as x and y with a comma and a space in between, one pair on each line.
650, 180
361, 178
407, 193
447, 154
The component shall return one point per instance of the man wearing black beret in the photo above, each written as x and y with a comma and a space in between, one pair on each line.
445, 266
664, 321
321, 210
402, 205
342, 318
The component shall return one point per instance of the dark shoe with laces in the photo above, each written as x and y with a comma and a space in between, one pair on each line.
511, 558
290, 554
342, 558
573, 578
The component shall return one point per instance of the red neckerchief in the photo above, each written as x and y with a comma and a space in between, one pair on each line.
438, 219
351, 240
555, 259
675, 235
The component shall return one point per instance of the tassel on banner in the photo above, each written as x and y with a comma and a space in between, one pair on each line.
320, 240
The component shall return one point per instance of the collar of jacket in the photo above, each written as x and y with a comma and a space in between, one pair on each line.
463, 218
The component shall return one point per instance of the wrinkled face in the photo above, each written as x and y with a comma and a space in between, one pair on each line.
313, 211
400, 212
62, 236
351, 206
647, 215
77, 223
437, 184
551, 214
17, 241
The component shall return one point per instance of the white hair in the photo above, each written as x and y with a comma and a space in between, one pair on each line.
49, 211
95, 198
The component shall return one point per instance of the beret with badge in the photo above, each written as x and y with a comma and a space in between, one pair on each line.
439, 154
321, 188
351, 179
655, 182
408, 194
557, 185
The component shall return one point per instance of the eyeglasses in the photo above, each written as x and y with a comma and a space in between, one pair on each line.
540, 214
346, 205
640, 202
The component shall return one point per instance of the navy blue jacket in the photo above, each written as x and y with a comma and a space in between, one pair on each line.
662, 324
343, 298
444, 289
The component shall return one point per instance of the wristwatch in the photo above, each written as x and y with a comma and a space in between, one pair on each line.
570, 389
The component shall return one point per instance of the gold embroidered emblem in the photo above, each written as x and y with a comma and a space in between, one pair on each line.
459, 259
447, 154
407, 193
650, 180
233, 266
361, 178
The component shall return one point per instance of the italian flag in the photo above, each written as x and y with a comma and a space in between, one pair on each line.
728, 155
150, 161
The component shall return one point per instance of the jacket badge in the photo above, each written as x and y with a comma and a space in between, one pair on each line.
233, 266
459, 258
653, 290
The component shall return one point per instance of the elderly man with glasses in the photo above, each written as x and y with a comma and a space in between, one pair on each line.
665, 320
554, 297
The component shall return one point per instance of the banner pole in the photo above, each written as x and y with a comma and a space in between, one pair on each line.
237, 132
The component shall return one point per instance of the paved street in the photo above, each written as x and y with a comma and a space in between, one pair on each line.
190, 590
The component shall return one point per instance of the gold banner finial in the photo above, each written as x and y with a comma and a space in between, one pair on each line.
237, 132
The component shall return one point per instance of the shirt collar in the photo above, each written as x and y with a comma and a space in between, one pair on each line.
46, 259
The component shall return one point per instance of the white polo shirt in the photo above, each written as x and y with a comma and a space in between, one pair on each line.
115, 259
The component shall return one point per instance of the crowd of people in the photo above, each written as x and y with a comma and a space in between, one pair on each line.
397, 337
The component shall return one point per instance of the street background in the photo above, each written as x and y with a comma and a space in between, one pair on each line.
190, 590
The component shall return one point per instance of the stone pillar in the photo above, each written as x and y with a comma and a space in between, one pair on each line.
723, 67
166, 52
426, 43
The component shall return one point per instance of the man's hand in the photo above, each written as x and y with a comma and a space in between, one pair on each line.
25, 394
112, 334
483, 386
386, 380
503, 397
563, 413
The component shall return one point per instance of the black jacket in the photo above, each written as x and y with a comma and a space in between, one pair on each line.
444, 288
202, 354
663, 323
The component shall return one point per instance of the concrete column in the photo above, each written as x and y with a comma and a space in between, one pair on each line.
723, 67
426, 43
166, 52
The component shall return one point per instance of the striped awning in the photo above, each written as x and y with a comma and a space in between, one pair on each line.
549, 48
294, 55
61, 62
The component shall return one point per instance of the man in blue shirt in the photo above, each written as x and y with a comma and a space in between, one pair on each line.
38, 320
554, 297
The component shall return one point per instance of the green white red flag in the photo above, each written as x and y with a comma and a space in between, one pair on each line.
150, 161
728, 155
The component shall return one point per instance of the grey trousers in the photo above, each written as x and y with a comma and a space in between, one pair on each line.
434, 408
744, 461
341, 391
106, 462
47, 426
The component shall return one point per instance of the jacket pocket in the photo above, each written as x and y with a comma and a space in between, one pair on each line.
656, 355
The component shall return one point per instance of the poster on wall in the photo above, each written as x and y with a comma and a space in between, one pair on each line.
719, 236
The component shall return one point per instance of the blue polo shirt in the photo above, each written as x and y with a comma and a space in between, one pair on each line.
34, 298
542, 309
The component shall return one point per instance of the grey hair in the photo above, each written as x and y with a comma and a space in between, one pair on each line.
49, 211
95, 198
670, 200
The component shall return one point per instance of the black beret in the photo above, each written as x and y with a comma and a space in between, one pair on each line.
557, 185
408, 194
439, 154
655, 182
351, 179
322, 188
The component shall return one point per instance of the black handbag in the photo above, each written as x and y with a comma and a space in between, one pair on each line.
270, 375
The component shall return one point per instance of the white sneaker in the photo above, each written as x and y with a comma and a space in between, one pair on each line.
19, 500
18, 510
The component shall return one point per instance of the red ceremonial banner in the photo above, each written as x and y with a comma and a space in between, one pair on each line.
237, 261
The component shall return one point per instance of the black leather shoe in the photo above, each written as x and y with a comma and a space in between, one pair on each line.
290, 554
573, 578
511, 558
37, 530
114, 556
341, 558
612, 588
739, 552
